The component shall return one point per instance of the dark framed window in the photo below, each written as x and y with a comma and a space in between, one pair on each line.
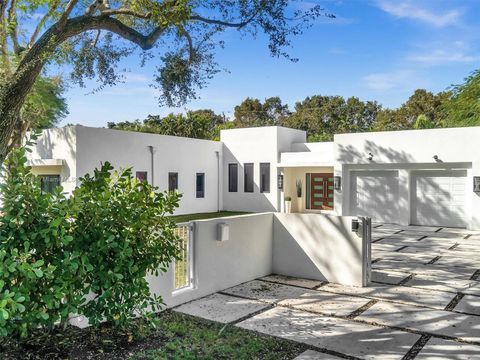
141, 176
248, 177
48, 183
172, 181
265, 177
200, 185
232, 177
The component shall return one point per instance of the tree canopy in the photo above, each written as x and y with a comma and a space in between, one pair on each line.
464, 107
252, 112
323, 116
93, 37
431, 107
199, 124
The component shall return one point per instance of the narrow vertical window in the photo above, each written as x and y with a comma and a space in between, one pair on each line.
308, 186
48, 183
248, 177
200, 185
232, 177
141, 176
172, 181
265, 177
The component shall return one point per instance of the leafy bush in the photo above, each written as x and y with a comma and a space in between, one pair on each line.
98, 245
121, 235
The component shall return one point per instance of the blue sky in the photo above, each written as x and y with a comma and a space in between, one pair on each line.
375, 49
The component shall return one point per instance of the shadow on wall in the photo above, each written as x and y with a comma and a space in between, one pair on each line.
425, 190
65, 149
255, 201
45, 144
315, 246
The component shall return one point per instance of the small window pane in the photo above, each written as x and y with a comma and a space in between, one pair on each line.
141, 176
200, 185
248, 177
48, 183
232, 177
265, 177
172, 181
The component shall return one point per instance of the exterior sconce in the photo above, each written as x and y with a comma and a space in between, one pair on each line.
223, 232
476, 184
370, 156
280, 182
355, 225
337, 182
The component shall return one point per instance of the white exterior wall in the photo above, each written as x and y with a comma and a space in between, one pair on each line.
185, 156
247, 255
59, 144
320, 247
405, 151
255, 145
309, 154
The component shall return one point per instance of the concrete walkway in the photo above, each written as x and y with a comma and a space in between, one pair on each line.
424, 302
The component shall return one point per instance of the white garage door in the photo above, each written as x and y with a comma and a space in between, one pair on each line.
438, 198
375, 194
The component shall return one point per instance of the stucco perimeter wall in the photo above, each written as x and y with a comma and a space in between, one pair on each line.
247, 255
185, 156
456, 148
315, 246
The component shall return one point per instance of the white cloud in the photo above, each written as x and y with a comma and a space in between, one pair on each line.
407, 9
439, 56
457, 52
398, 79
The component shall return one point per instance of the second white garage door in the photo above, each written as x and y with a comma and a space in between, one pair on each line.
438, 198
375, 194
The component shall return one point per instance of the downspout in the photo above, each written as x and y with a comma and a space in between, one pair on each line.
218, 180
152, 160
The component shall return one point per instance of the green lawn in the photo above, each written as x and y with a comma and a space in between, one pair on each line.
177, 336
202, 216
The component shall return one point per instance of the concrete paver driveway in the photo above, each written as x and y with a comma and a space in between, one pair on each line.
423, 303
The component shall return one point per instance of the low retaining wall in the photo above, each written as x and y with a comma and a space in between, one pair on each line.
311, 246
218, 265
320, 247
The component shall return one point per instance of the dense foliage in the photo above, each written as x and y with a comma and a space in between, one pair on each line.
320, 116
464, 107
199, 124
98, 245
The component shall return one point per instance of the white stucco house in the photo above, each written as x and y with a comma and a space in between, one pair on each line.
418, 177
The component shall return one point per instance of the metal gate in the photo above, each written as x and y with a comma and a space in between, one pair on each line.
183, 267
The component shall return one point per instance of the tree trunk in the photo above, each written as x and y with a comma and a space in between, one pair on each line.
12, 98
15, 91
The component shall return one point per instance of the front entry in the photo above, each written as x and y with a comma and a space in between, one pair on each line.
321, 191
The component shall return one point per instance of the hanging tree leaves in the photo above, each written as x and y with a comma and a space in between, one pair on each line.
93, 37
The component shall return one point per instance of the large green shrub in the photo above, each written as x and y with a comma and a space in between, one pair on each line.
121, 234
98, 245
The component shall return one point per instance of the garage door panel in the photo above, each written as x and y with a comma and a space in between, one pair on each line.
438, 198
375, 194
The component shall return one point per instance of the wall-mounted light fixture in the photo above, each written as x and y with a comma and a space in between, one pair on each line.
337, 182
280, 182
355, 225
476, 184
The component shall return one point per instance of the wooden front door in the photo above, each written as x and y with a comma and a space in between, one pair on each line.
321, 191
